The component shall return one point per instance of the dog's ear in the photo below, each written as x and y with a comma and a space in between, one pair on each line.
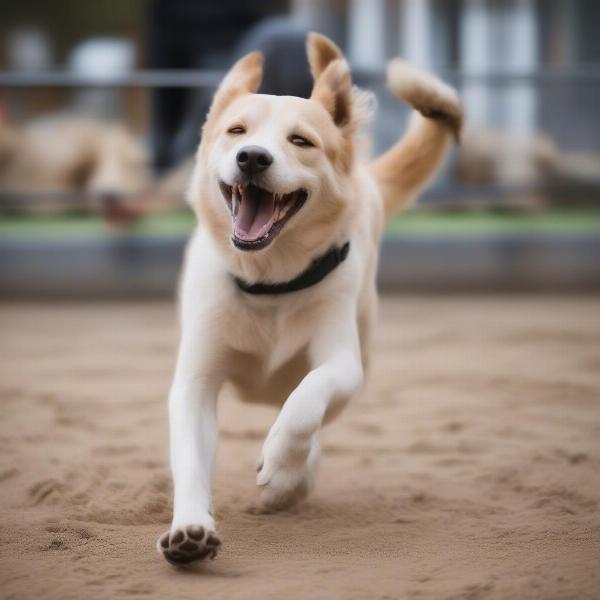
321, 51
243, 78
333, 89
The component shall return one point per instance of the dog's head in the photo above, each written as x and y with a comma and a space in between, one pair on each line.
275, 171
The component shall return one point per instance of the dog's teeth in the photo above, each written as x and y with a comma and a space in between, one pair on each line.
236, 198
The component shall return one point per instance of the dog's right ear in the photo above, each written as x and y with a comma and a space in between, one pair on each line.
321, 52
243, 78
333, 89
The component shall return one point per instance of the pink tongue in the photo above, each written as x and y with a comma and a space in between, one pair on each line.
255, 214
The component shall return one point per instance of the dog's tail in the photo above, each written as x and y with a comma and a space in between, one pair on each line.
404, 169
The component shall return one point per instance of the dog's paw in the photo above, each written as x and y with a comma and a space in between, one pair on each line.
187, 544
286, 473
283, 490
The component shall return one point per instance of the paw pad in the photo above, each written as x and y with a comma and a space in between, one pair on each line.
187, 544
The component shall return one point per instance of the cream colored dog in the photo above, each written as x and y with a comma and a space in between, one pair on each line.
278, 296
69, 153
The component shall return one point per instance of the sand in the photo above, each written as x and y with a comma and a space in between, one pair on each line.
470, 469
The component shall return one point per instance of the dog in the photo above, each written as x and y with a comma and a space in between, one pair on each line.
59, 153
278, 296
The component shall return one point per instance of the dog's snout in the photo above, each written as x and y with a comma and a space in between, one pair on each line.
253, 159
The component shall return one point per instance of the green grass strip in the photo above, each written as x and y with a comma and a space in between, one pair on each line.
410, 224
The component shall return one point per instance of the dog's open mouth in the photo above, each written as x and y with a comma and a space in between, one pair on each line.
258, 214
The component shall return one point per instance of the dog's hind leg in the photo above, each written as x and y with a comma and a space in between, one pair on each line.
290, 452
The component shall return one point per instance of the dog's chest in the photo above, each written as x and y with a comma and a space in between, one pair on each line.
271, 331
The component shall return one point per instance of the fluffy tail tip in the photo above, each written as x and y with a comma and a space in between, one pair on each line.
426, 94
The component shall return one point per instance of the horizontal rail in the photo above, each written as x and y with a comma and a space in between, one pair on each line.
576, 75
209, 78
158, 79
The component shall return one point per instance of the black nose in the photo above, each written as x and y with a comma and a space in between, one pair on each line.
253, 159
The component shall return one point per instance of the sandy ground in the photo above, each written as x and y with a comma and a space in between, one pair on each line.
470, 469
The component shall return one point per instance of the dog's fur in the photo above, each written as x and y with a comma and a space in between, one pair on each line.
305, 352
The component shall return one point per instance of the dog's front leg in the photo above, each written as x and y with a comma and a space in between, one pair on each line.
193, 438
290, 452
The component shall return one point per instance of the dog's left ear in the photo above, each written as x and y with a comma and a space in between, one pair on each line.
321, 51
333, 89
243, 78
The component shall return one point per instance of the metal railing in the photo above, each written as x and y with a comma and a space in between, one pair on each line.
589, 74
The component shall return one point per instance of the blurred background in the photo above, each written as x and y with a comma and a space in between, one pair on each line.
101, 106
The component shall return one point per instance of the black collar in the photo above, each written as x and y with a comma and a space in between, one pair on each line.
315, 272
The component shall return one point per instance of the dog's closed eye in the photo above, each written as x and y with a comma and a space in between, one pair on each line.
236, 130
298, 140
